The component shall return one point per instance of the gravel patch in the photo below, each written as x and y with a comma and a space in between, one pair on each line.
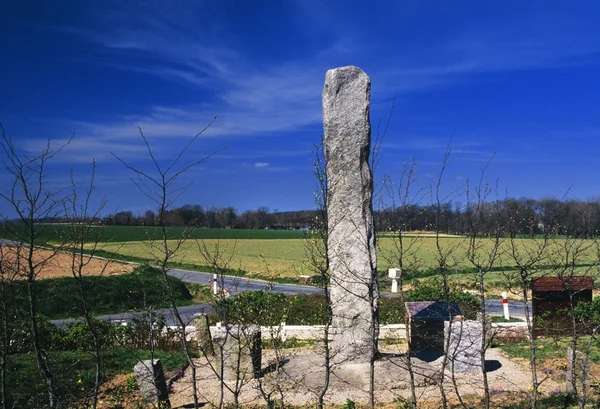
300, 378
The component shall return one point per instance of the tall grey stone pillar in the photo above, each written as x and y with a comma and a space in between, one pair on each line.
351, 236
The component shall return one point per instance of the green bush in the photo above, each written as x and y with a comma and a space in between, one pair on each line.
588, 313
307, 309
252, 308
76, 336
391, 310
433, 291
264, 308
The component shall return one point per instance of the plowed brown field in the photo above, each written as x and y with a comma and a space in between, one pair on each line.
56, 264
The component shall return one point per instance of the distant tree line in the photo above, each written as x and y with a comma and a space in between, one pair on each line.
213, 217
521, 217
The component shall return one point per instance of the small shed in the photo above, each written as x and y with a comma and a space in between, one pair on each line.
426, 323
551, 300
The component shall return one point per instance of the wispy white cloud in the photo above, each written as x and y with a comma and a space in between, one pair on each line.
265, 167
256, 98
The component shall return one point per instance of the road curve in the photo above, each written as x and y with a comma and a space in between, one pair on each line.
235, 285
232, 284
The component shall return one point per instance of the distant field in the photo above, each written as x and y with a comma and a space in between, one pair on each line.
281, 253
287, 258
55, 232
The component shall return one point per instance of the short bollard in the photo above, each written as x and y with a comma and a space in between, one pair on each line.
394, 275
505, 306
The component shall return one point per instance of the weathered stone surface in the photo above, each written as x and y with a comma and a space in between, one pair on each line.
151, 382
241, 348
351, 238
464, 348
203, 337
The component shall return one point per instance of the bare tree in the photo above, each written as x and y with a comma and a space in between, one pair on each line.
316, 251
444, 259
403, 199
162, 187
526, 259
218, 257
82, 231
10, 314
33, 201
483, 253
565, 256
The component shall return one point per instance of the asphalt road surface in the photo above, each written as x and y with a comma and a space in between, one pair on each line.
236, 285
232, 284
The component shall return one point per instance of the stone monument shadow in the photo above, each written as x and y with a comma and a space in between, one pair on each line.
191, 405
273, 366
389, 355
428, 354
492, 365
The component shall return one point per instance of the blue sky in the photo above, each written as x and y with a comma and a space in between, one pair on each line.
518, 79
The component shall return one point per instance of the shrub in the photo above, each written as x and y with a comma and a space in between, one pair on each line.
252, 308
588, 313
433, 291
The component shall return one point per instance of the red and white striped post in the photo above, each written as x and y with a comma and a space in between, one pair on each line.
505, 306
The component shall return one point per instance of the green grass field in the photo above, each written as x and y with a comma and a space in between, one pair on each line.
281, 254
286, 258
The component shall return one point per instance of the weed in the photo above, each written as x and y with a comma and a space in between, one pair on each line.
349, 404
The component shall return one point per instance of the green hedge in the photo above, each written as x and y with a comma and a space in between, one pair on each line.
259, 307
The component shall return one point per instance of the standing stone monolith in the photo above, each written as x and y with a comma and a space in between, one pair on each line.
203, 337
577, 375
464, 345
240, 355
151, 382
351, 236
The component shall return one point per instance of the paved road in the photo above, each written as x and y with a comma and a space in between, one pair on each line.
186, 313
236, 285
8, 243
516, 308
233, 285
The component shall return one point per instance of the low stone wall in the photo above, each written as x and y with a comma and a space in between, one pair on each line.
505, 331
396, 331
510, 331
